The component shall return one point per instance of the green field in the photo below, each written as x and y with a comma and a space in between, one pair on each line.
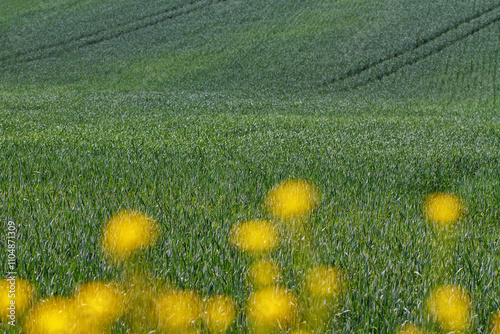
191, 111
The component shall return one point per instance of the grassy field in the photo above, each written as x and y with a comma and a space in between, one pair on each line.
191, 111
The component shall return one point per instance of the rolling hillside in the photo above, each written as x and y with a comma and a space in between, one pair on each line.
190, 111
399, 49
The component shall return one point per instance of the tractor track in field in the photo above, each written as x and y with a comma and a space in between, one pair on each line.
470, 25
96, 37
350, 80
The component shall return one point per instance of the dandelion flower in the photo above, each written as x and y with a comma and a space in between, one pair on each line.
219, 313
52, 316
450, 307
15, 297
292, 199
324, 281
495, 323
127, 232
98, 304
140, 293
254, 237
409, 329
264, 272
443, 209
271, 307
178, 310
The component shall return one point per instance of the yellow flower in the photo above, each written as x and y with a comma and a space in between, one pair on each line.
15, 296
324, 281
178, 310
98, 305
52, 316
292, 199
264, 272
409, 329
219, 313
254, 237
300, 331
495, 323
450, 307
443, 209
127, 232
271, 307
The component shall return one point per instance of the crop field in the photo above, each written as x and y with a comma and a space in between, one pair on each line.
183, 166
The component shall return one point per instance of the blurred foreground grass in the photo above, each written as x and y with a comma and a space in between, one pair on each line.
67, 167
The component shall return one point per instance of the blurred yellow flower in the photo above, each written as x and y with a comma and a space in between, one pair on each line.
495, 323
140, 294
292, 199
177, 311
409, 329
300, 331
219, 313
324, 281
98, 305
254, 237
128, 231
450, 307
443, 209
15, 296
271, 307
264, 272
52, 316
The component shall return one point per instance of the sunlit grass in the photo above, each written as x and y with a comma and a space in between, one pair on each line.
370, 221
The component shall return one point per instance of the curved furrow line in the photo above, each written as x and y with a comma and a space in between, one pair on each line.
418, 45
102, 35
425, 55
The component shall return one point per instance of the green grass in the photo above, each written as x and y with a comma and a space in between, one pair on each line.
193, 119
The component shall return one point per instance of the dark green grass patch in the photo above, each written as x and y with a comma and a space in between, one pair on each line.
264, 48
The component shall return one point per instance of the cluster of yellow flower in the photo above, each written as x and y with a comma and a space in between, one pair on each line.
271, 307
449, 306
91, 309
96, 306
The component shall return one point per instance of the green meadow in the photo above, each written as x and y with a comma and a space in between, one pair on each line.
191, 111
